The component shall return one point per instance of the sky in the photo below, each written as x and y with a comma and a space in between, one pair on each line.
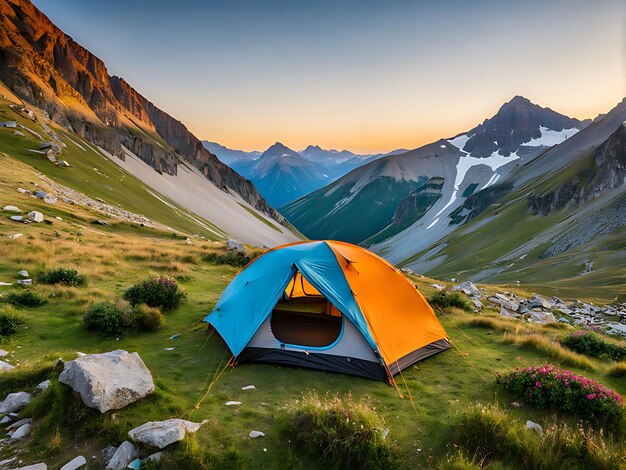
364, 75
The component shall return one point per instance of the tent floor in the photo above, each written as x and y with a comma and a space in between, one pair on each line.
305, 329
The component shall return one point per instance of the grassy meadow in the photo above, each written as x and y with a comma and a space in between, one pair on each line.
423, 416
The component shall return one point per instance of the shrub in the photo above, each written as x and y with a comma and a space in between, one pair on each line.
589, 343
25, 298
65, 276
149, 318
233, 258
345, 433
487, 433
442, 300
161, 291
9, 322
545, 386
110, 319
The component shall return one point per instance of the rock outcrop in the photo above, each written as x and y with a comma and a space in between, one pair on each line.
108, 381
605, 171
47, 68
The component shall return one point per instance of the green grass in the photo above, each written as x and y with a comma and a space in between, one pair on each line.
481, 250
94, 174
114, 258
311, 214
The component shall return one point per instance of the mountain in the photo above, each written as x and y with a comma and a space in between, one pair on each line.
376, 202
561, 216
282, 175
280, 180
47, 69
229, 156
317, 154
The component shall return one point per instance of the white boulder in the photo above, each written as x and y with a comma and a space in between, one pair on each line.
234, 245
163, 433
15, 402
21, 432
124, 454
534, 426
255, 434
12, 209
539, 302
43, 386
36, 466
5, 366
35, 216
75, 463
108, 381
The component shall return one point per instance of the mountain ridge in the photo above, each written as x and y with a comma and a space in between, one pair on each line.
46, 67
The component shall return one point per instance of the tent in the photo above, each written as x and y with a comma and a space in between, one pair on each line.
327, 305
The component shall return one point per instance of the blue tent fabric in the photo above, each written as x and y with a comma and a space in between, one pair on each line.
251, 296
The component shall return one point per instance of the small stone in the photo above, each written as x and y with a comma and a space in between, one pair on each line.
232, 403
15, 402
19, 423
50, 199
21, 190
5, 420
35, 216
23, 273
534, 426
516, 404
124, 454
234, 245
248, 387
16, 235
43, 386
12, 209
3, 353
21, 432
75, 463
163, 433
63, 164
17, 218
26, 282
255, 434
37, 466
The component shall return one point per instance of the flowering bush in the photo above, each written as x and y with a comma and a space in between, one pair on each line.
545, 386
589, 343
161, 291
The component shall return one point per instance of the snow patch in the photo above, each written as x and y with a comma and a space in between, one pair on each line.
433, 222
459, 142
549, 137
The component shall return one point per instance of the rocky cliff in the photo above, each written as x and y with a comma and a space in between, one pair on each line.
606, 170
47, 68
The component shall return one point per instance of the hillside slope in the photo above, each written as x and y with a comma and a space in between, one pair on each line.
374, 197
561, 219
46, 68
